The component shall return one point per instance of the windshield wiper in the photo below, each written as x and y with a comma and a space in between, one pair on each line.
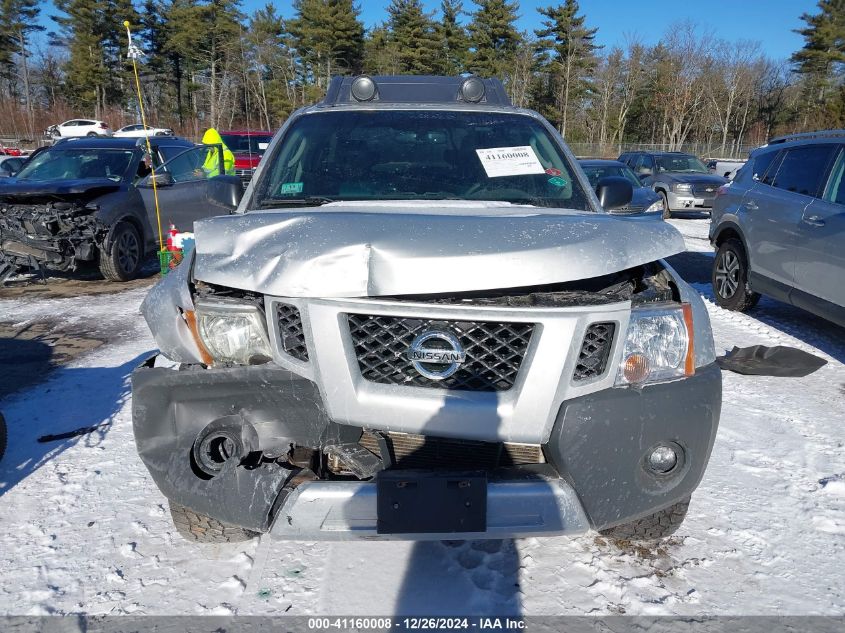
307, 201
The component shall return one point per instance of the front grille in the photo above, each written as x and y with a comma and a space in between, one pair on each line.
421, 451
595, 350
494, 351
701, 191
291, 333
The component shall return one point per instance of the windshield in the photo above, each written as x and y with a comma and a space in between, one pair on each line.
597, 172
77, 164
682, 163
241, 144
419, 154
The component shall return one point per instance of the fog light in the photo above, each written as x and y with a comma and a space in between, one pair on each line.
662, 459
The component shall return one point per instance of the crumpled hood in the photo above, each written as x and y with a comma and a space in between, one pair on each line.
698, 179
402, 248
11, 188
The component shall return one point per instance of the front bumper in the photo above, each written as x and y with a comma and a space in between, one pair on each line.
689, 202
595, 476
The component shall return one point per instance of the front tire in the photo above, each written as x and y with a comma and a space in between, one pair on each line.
655, 526
730, 277
667, 212
200, 528
91, 134
122, 260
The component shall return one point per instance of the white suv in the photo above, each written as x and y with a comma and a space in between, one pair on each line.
82, 127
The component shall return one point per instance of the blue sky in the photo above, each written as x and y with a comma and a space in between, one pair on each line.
768, 21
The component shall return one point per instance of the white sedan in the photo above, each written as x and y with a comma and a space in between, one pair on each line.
137, 131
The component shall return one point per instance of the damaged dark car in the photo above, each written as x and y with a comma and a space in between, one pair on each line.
422, 322
91, 200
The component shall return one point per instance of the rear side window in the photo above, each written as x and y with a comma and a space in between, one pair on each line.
803, 169
761, 165
836, 187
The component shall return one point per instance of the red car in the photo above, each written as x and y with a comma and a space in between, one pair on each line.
10, 151
248, 146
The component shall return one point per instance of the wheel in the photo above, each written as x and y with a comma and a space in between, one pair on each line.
3, 435
123, 258
730, 277
667, 212
203, 529
91, 134
655, 526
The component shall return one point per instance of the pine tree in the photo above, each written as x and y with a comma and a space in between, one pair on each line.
820, 61
18, 20
454, 43
381, 56
329, 38
82, 31
412, 31
493, 38
570, 54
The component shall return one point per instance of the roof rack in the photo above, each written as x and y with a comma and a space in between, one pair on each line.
415, 89
806, 135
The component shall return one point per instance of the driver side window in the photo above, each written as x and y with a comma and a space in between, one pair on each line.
198, 163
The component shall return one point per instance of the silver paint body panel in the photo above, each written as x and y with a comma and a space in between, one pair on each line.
332, 510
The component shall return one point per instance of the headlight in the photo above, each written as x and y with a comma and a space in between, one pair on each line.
233, 332
655, 206
658, 346
682, 187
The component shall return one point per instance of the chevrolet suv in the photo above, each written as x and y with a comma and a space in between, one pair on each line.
778, 227
423, 323
682, 180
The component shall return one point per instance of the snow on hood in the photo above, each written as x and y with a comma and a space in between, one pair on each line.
695, 178
400, 248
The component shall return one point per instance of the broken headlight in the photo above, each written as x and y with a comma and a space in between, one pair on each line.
233, 332
658, 346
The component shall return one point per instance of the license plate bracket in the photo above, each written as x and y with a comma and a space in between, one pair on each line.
412, 502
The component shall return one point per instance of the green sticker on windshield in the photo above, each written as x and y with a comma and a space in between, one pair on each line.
557, 181
291, 187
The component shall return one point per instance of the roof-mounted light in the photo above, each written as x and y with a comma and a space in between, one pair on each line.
472, 90
363, 88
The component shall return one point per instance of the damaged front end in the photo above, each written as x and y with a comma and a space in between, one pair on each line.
311, 417
55, 224
55, 234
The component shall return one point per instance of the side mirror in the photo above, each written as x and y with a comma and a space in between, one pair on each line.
162, 179
225, 191
614, 192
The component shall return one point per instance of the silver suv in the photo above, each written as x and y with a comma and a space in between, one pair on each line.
422, 323
778, 227
682, 180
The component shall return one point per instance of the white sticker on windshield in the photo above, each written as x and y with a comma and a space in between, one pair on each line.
509, 161
263, 145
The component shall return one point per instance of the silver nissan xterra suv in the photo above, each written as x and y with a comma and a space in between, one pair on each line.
421, 323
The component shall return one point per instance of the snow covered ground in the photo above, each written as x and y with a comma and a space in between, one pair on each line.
83, 528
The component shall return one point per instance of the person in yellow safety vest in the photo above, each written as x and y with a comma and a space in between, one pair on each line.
211, 166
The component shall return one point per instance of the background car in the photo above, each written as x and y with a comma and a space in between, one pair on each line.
726, 167
107, 213
248, 146
138, 130
778, 227
681, 179
80, 127
10, 165
645, 199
